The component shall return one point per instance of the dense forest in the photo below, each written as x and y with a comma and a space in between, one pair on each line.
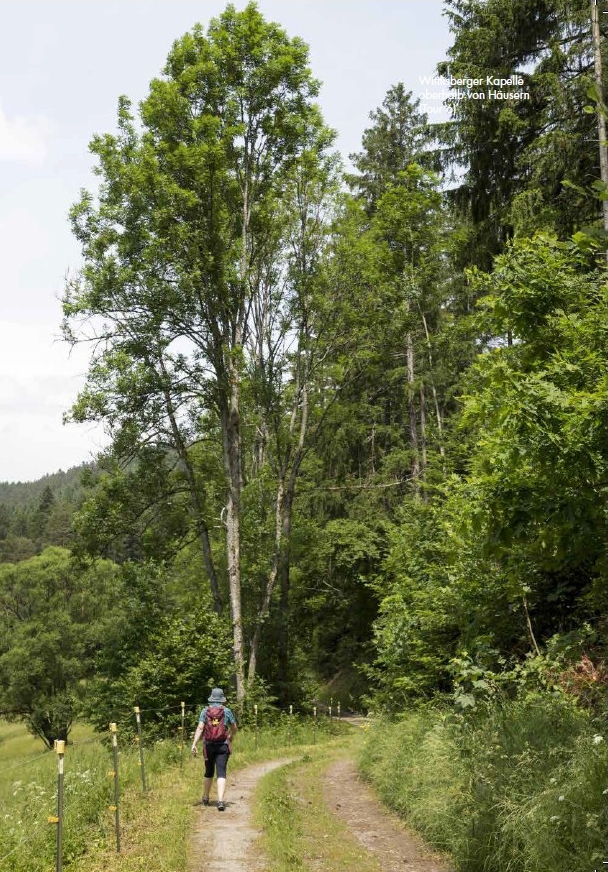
358, 418
39, 513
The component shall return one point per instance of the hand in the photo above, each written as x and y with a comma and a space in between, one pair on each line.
194, 750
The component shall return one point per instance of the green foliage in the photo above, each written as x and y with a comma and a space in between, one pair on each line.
38, 513
185, 655
512, 553
539, 411
137, 513
516, 786
399, 137
517, 154
53, 620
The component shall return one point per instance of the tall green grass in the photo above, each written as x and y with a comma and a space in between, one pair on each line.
28, 796
520, 786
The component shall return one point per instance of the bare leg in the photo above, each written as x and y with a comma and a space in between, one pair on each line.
221, 786
206, 787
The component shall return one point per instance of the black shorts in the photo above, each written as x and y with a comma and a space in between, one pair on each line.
216, 756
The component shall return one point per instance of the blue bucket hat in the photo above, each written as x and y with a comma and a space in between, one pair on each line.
217, 695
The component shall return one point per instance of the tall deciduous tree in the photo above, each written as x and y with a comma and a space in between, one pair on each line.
54, 617
297, 331
179, 246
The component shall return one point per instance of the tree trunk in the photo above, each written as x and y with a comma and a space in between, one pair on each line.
231, 438
232, 446
600, 109
411, 401
203, 533
281, 556
264, 608
284, 582
423, 436
434, 392
279, 571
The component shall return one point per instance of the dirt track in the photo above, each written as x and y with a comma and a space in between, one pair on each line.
379, 831
224, 841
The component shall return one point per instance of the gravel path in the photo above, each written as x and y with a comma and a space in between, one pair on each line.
379, 831
222, 841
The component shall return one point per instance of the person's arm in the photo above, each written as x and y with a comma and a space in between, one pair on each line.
232, 728
197, 735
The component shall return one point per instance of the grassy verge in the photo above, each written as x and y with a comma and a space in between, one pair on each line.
155, 826
299, 831
519, 787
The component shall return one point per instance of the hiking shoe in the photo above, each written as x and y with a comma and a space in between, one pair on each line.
221, 806
205, 801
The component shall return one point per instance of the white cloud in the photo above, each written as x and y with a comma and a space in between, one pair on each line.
39, 381
23, 139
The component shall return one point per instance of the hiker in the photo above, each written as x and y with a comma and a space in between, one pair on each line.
217, 726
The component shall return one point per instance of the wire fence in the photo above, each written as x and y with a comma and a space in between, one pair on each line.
93, 784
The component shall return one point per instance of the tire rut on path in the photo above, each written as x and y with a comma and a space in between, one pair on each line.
222, 841
381, 832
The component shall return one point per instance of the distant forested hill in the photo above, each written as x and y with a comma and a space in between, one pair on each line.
24, 493
35, 514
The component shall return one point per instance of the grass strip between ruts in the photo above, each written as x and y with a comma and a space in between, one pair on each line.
300, 833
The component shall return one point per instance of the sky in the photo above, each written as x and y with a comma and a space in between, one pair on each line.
63, 65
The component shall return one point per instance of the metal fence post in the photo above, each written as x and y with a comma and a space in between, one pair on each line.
141, 748
60, 749
181, 759
114, 808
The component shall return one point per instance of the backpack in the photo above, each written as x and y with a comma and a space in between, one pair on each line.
215, 728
